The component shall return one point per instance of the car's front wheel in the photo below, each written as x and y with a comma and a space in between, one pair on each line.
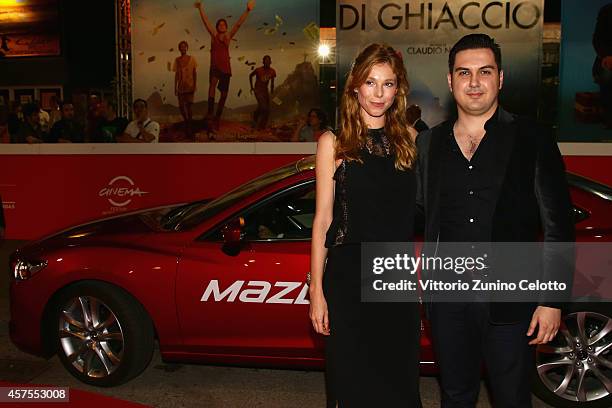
575, 369
104, 336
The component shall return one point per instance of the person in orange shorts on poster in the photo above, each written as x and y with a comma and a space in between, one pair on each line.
220, 69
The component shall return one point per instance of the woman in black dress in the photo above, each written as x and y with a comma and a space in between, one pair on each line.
366, 191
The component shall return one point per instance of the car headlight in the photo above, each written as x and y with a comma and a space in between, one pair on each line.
23, 269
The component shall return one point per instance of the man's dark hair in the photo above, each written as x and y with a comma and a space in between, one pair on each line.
30, 108
183, 42
139, 100
473, 42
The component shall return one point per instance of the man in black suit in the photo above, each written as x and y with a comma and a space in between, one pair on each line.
489, 176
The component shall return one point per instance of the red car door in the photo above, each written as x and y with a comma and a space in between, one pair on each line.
254, 302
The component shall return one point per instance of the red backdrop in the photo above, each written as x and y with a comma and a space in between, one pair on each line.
46, 193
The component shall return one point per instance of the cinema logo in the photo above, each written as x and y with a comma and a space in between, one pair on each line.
473, 15
120, 191
8, 205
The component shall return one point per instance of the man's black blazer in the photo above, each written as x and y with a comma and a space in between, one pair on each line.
534, 202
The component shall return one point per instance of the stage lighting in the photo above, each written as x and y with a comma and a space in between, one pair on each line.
324, 51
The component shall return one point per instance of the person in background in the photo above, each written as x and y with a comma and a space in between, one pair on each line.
93, 116
414, 118
44, 117
314, 126
111, 125
264, 75
15, 120
142, 129
66, 130
602, 66
30, 130
220, 69
55, 114
185, 80
4, 116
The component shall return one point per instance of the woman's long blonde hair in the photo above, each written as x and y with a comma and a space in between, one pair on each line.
353, 129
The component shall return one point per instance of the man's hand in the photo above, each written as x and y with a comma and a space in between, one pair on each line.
250, 5
548, 319
607, 62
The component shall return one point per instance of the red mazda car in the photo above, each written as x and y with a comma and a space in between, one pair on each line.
223, 281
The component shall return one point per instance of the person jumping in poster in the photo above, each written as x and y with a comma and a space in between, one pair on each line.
220, 69
263, 75
185, 81
602, 66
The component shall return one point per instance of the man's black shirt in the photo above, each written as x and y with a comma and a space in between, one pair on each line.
470, 189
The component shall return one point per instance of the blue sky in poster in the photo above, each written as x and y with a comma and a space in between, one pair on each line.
158, 26
578, 20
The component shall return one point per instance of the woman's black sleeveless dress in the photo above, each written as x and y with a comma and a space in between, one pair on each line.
372, 353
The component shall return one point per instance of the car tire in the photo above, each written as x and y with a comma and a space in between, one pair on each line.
561, 363
104, 337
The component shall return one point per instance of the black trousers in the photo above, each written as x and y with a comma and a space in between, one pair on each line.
463, 339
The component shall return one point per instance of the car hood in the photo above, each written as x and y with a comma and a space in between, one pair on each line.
128, 229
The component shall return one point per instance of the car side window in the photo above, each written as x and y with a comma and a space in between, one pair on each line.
286, 217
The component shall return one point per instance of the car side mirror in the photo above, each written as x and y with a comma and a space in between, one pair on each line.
232, 233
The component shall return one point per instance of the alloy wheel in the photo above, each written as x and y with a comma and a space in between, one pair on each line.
577, 364
91, 336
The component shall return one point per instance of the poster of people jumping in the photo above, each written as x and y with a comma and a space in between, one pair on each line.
227, 71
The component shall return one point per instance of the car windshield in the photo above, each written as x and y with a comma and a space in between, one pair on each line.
197, 212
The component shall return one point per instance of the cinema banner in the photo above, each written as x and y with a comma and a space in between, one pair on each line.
425, 31
585, 88
115, 184
226, 71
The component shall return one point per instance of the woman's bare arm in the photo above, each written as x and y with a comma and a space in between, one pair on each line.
325, 167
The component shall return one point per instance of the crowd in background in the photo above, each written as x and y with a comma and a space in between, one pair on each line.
29, 123
100, 123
